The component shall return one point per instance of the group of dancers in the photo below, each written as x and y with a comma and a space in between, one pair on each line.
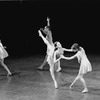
55, 52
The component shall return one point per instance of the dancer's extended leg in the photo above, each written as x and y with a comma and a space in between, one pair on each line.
2, 63
74, 81
58, 65
80, 77
52, 74
44, 62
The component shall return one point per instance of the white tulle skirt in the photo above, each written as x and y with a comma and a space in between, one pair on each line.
85, 66
3, 53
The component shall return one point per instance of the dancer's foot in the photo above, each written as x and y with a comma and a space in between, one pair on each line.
40, 67
85, 90
56, 86
59, 69
9, 74
70, 87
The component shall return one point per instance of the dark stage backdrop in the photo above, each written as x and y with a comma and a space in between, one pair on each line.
70, 22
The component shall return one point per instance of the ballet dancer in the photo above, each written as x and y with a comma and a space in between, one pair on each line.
48, 34
50, 57
3, 54
57, 53
85, 65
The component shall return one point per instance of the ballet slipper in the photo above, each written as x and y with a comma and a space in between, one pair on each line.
56, 86
85, 90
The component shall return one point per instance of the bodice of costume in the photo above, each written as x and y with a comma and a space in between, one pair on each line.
81, 55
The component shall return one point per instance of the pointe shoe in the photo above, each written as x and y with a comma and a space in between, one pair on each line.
58, 70
56, 86
85, 91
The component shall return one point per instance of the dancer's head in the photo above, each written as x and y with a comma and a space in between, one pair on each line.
75, 47
57, 44
47, 30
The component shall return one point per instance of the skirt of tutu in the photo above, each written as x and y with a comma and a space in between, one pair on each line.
85, 67
3, 53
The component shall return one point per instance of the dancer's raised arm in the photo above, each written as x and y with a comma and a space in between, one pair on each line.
48, 21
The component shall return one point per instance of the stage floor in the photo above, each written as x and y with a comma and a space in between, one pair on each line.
28, 83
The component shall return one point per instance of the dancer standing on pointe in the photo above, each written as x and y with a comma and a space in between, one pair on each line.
48, 34
50, 57
3, 54
60, 51
85, 65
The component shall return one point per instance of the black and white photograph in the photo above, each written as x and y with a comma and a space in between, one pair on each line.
49, 50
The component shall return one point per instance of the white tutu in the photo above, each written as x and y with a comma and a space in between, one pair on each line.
3, 53
85, 66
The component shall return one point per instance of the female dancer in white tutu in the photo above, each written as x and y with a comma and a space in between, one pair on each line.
50, 57
60, 51
48, 34
3, 54
85, 65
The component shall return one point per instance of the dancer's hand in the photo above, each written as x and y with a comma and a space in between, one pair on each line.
62, 56
71, 49
48, 19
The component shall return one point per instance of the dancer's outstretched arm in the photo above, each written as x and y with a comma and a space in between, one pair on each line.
68, 58
57, 59
70, 50
48, 25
